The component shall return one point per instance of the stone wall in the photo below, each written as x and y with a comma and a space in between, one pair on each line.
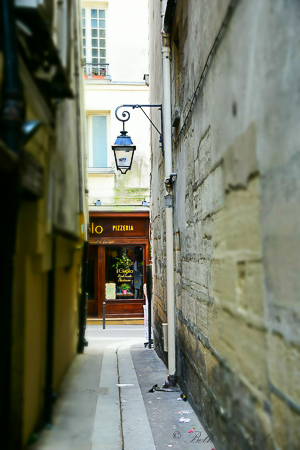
157, 176
235, 79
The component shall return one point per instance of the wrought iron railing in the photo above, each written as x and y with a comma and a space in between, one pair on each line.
96, 70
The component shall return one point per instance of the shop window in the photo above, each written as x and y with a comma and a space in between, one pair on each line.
124, 266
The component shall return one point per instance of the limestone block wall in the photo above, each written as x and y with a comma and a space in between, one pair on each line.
157, 213
235, 78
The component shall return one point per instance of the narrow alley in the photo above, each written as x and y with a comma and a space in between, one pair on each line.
150, 186
105, 403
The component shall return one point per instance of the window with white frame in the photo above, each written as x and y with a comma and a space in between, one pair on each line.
96, 135
94, 41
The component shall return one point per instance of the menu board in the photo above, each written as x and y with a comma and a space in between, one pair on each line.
110, 291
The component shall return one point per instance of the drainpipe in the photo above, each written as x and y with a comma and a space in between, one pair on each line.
49, 394
169, 199
82, 310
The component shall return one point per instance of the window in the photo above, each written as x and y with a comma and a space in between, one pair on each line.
124, 265
96, 135
94, 42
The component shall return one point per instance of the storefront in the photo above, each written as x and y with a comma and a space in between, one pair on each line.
119, 251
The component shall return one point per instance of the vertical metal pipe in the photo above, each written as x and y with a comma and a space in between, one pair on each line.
149, 295
103, 315
170, 291
82, 342
167, 107
169, 208
49, 393
78, 83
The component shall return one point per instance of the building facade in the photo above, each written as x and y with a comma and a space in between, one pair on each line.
45, 212
118, 255
234, 114
115, 53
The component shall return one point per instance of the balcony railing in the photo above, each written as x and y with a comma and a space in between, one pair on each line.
96, 71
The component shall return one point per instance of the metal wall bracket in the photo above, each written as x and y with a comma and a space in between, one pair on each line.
126, 116
171, 179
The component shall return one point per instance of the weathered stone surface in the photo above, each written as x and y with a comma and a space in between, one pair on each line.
253, 288
282, 286
224, 280
292, 355
264, 428
280, 425
203, 159
203, 366
284, 366
277, 361
294, 424
236, 228
237, 241
202, 317
240, 162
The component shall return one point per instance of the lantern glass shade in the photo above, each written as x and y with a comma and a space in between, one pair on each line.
123, 152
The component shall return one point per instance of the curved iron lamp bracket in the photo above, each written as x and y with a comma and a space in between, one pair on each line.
126, 116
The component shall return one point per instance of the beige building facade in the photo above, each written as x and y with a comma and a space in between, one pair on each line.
115, 57
115, 36
235, 109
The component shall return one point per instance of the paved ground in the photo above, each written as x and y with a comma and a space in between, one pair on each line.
104, 402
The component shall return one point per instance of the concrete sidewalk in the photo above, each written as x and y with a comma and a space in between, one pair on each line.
104, 401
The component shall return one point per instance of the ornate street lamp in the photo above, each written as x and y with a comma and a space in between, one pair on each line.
123, 151
124, 148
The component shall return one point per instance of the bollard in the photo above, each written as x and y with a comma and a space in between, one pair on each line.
104, 313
